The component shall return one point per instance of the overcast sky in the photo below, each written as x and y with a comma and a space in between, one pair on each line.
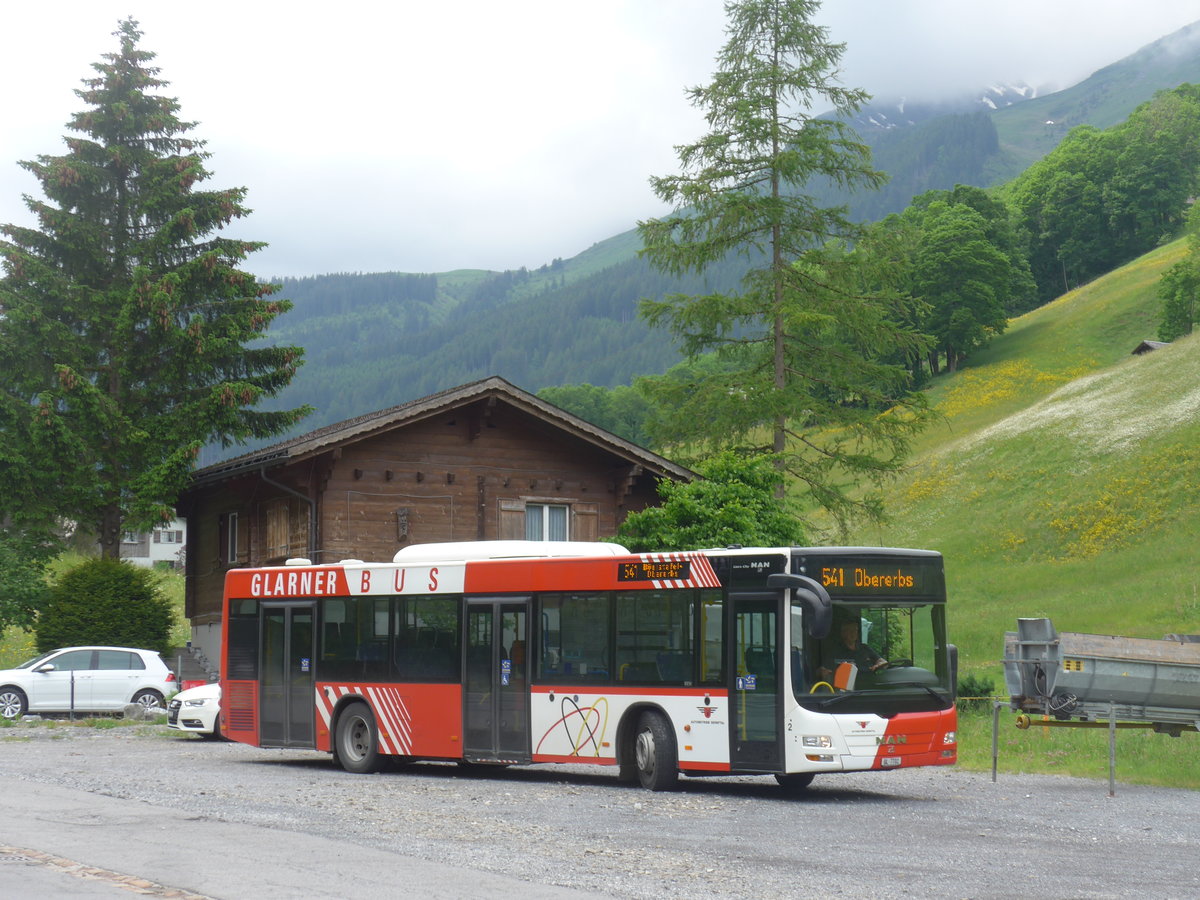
423, 137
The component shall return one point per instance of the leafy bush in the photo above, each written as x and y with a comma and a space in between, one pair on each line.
733, 502
976, 691
106, 601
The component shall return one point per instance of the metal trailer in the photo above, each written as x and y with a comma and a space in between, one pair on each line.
1094, 677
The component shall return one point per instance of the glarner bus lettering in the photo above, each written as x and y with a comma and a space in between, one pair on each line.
786, 661
293, 584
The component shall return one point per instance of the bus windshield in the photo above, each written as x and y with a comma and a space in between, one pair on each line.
885, 655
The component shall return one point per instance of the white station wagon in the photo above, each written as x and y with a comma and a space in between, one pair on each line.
85, 679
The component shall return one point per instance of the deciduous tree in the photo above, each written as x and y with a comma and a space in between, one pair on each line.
129, 335
1180, 285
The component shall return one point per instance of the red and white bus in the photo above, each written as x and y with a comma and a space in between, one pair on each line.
710, 662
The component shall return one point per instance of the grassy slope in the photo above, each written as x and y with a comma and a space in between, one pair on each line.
1062, 479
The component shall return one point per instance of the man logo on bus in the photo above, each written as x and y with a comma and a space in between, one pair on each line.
707, 710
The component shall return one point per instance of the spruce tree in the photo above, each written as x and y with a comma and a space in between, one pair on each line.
807, 359
129, 336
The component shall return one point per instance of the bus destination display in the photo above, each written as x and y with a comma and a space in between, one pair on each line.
904, 578
655, 570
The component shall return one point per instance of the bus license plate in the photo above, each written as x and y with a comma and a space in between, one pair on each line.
890, 761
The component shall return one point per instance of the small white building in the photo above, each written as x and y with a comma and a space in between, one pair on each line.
162, 547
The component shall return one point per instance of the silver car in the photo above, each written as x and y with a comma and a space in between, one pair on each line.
86, 679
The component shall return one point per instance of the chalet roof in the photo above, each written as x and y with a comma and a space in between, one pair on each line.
371, 424
1147, 346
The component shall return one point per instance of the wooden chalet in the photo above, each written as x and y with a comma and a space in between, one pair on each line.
479, 462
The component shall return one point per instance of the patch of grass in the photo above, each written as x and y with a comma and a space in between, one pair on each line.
1142, 756
1063, 481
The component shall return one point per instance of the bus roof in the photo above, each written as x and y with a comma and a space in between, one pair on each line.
467, 550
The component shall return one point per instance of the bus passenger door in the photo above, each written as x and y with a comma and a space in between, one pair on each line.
496, 676
287, 706
754, 667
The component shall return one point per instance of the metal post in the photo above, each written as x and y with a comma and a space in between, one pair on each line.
72, 710
1112, 750
995, 737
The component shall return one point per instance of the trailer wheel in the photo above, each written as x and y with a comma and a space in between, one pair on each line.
654, 753
358, 740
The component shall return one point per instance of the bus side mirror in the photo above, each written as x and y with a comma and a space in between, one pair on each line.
815, 599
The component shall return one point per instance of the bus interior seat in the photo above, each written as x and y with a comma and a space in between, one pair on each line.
800, 678
332, 646
517, 653
760, 661
674, 665
639, 671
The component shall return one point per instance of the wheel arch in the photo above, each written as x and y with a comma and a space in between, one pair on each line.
24, 695
627, 728
339, 708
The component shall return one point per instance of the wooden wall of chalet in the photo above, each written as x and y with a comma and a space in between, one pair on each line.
461, 476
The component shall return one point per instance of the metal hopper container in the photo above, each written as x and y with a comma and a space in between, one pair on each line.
1103, 677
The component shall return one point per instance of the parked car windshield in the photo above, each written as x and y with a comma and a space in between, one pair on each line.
30, 663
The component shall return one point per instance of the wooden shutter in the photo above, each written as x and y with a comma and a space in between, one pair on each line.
277, 528
512, 520
586, 526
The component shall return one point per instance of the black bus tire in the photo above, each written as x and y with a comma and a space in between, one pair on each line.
795, 782
358, 740
654, 753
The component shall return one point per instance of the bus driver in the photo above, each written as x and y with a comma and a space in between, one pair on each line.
848, 648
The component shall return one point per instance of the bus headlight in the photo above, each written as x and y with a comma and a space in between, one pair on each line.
951, 737
817, 740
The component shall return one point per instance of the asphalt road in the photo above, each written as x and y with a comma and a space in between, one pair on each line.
105, 813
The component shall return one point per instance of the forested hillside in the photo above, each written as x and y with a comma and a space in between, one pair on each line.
373, 340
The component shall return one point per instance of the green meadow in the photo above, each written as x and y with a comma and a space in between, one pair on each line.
1063, 480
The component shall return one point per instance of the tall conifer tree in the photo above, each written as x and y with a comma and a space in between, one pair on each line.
129, 337
805, 357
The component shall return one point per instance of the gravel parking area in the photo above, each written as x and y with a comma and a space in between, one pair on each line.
917, 832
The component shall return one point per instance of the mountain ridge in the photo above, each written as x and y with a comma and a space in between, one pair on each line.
374, 339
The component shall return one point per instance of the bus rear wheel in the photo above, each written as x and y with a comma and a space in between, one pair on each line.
654, 753
358, 740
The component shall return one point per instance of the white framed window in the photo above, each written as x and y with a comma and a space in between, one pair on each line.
547, 522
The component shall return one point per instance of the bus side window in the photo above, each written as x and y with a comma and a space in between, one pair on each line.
712, 637
332, 644
578, 649
427, 644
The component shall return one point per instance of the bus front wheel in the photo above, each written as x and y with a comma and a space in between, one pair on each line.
358, 740
654, 753
795, 782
